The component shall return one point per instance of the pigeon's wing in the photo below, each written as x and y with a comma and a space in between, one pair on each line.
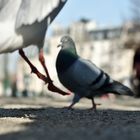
36, 10
85, 73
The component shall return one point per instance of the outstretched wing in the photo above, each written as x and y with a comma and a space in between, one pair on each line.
8, 10
36, 10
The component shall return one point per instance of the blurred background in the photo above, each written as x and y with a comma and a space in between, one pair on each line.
105, 32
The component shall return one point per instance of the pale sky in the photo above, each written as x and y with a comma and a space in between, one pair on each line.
104, 12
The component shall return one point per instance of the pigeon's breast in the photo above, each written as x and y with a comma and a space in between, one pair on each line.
64, 61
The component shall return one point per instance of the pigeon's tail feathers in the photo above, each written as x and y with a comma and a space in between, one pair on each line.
120, 89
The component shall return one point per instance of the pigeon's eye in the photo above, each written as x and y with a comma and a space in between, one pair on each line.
64, 40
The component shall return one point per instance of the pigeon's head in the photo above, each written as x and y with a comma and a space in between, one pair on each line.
67, 44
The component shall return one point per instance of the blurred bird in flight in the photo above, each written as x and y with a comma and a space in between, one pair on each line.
25, 22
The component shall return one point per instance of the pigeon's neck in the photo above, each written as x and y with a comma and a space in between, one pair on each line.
70, 49
65, 59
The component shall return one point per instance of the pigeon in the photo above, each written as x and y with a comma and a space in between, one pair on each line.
82, 77
24, 23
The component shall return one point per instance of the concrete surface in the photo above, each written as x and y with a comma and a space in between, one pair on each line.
45, 118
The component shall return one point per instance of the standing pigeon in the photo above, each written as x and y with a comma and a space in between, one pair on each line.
25, 22
82, 77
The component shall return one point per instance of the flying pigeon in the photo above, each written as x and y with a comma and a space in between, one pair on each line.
82, 77
25, 22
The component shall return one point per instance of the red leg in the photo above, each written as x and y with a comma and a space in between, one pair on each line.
51, 86
94, 104
33, 68
70, 106
42, 61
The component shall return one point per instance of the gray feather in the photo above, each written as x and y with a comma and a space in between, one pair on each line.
118, 88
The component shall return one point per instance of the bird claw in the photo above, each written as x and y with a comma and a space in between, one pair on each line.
53, 88
32, 71
97, 104
68, 108
94, 107
49, 81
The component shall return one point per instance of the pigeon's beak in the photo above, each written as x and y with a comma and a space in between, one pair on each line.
60, 45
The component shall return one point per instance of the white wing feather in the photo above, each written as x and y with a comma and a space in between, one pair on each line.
8, 10
15, 13
34, 10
